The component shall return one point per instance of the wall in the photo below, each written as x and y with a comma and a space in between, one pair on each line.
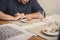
50, 6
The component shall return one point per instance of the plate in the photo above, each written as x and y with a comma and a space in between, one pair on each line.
23, 20
49, 31
26, 21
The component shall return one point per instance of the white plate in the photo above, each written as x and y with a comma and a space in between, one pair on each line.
23, 20
50, 33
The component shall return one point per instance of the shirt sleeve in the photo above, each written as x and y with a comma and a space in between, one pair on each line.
8, 6
3, 5
38, 8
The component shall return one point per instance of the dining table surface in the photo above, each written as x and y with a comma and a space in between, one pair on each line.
34, 27
32, 38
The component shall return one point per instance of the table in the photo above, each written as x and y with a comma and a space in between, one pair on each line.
33, 24
32, 38
34, 29
4, 22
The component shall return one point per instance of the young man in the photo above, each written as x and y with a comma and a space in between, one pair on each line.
16, 9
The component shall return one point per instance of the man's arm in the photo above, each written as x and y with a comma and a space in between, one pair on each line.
3, 7
4, 16
37, 8
34, 15
37, 15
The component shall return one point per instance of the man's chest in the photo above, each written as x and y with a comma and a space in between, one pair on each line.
24, 8
16, 7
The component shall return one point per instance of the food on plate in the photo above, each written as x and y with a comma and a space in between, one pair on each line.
53, 30
45, 30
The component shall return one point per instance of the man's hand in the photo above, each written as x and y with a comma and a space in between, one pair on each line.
21, 15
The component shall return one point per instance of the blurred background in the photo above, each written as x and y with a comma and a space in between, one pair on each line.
50, 6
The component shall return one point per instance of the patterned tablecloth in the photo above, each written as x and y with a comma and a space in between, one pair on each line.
14, 32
